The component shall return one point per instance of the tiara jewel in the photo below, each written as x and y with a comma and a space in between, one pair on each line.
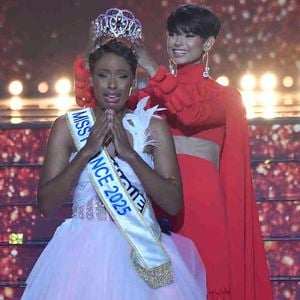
116, 23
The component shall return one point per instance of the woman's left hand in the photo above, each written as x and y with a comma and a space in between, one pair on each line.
120, 138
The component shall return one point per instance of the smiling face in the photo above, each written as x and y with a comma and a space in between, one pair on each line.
185, 48
192, 31
112, 79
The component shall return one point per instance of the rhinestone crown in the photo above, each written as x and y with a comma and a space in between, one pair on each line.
116, 23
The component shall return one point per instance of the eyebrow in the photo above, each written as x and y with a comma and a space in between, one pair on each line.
108, 70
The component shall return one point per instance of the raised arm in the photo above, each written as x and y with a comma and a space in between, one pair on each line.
194, 105
59, 175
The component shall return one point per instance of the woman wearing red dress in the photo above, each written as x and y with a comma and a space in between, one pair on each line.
211, 135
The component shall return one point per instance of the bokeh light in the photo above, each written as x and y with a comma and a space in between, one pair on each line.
16, 103
63, 103
268, 112
63, 86
288, 81
248, 82
43, 87
223, 80
268, 98
16, 120
15, 87
249, 98
268, 81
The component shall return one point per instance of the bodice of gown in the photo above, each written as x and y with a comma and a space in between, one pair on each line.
86, 203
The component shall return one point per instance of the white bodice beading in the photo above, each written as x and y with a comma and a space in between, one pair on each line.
86, 203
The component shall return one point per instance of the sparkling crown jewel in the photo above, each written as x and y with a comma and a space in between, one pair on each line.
116, 23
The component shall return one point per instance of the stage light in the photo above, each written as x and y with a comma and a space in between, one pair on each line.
288, 81
249, 101
63, 103
223, 80
248, 82
269, 98
268, 81
8, 293
15, 87
249, 98
63, 86
43, 87
15, 103
250, 113
16, 120
268, 112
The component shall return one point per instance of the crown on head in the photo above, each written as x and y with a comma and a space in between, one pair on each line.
116, 23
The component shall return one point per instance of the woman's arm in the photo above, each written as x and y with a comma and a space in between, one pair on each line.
194, 106
144, 59
200, 104
164, 183
59, 176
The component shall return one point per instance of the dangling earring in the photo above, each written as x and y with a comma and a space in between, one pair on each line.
130, 91
206, 68
172, 67
133, 86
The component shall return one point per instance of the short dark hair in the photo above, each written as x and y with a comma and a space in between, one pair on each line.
116, 47
192, 18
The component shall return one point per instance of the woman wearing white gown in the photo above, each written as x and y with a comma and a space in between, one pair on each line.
89, 257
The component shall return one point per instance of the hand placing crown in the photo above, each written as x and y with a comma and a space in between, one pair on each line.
114, 24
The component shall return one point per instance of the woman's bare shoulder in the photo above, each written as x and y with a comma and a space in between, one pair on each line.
60, 131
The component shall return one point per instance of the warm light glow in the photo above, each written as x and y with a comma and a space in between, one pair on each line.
15, 87
249, 101
249, 98
15, 103
63, 103
268, 81
223, 80
268, 112
8, 292
250, 112
63, 86
288, 81
268, 98
288, 100
43, 87
16, 120
248, 82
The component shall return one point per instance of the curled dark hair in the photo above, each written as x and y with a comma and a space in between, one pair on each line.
196, 19
115, 47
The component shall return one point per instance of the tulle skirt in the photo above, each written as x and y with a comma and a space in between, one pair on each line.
90, 260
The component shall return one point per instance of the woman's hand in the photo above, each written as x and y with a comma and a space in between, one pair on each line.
98, 136
120, 138
144, 58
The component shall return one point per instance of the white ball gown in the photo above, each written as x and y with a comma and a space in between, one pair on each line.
88, 258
